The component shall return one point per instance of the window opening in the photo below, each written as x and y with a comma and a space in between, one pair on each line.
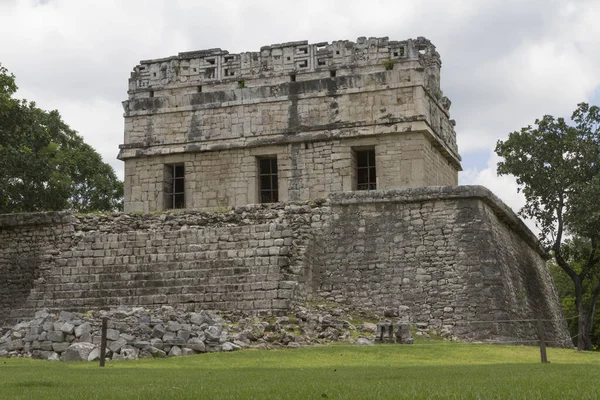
267, 175
366, 175
293, 78
174, 186
332, 73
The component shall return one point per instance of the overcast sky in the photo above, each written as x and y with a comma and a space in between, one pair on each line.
505, 63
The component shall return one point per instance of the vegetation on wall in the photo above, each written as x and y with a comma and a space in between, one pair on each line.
557, 166
45, 165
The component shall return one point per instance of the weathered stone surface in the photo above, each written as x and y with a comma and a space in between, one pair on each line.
175, 351
364, 342
129, 353
83, 329
398, 111
228, 346
117, 344
68, 328
56, 336
112, 334
94, 354
78, 352
196, 344
187, 352
403, 334
383, 240
156, 352
60, 347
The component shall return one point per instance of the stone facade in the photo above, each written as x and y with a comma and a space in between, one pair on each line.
309, 105
451, 257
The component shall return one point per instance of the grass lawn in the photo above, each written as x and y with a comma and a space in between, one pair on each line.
427, 370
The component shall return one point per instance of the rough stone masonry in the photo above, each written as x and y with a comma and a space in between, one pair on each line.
260, 180
455, 258
208, 118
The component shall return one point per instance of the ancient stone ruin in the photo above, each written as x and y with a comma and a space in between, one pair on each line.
258, 181
293, 122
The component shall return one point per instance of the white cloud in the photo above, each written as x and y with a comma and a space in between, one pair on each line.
505, 187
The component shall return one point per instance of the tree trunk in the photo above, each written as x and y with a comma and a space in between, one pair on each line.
584, 342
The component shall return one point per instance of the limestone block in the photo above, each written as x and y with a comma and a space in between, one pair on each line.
78, 352
83, 329
60, 347
56, 336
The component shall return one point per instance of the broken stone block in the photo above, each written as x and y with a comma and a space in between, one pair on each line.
403, 334
65, 316
175, 351
94, 354
56, 336
187, 352
112, 334
129, 353
46, 345
68, 328
83, 329
78, 352
228, 346
60, 347
117, 344
196, 344
385, 332
158, 331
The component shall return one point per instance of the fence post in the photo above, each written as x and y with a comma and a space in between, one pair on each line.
103, 341
542, 338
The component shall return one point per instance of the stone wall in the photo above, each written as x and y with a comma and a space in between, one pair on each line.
454, 257
242, 260
306, 171
374, 92
451, 257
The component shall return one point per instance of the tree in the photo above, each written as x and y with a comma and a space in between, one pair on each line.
45, 165
576, 251
557, 166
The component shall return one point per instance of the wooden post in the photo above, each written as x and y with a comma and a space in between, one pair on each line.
103, 341
542, 337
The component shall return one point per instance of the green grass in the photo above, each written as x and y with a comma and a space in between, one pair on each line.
430, 370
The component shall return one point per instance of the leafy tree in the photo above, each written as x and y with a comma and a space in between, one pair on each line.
557, 166
576, 250
45, 165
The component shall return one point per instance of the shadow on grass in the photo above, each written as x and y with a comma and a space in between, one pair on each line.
32, 384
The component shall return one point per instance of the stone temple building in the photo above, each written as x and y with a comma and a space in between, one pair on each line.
291, 122
352, 153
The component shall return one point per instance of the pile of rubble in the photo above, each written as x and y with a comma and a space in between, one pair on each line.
143, 333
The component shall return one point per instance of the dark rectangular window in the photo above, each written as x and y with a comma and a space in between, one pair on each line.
366, 175
174, 186
267, 175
